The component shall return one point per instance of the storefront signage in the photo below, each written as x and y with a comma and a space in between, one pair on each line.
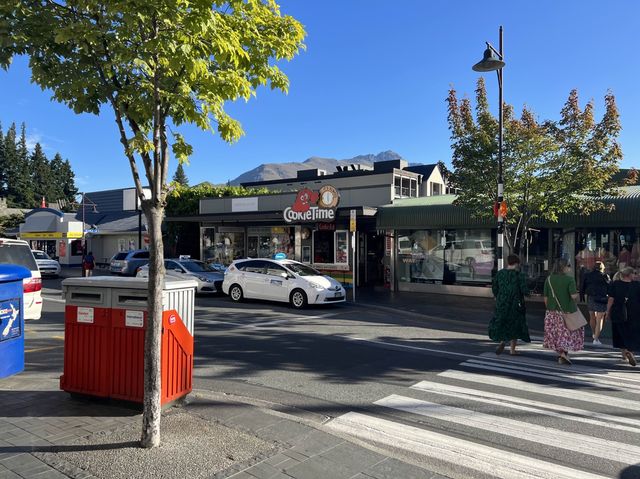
326, 226
239, 205
50, 235
311, 206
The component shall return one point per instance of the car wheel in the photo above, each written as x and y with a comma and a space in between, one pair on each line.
235, 293
298, 299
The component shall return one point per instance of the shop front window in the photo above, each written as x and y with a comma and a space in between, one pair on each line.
222, 246
342, 247
269, 241
445, 256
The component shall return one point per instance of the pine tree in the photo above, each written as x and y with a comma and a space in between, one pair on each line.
3, 167
68, 181
41, 176
180, 176
11, 162
20, 189
57, 182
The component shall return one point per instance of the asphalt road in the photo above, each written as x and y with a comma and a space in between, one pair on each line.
431, 393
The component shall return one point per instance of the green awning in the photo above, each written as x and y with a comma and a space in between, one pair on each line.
440, 212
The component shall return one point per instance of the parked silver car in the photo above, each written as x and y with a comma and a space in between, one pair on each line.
47, 265
127, 263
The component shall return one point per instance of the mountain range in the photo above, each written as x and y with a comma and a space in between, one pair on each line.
276, 171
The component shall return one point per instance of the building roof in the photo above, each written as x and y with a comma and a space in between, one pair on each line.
424, 170
440, 212
123, 221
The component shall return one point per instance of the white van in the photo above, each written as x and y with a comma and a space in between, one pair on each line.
18, 252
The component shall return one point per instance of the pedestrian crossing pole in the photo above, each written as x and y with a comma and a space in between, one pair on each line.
352, 228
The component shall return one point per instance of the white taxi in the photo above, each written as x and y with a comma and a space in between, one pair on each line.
280, 280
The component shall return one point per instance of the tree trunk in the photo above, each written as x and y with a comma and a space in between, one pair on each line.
152, 343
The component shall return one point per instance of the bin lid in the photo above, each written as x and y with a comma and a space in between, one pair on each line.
130, 283
13, 272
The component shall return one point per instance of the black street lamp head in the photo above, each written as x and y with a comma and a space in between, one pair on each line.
490, 62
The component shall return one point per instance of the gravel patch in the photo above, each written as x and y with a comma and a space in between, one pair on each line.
190, 447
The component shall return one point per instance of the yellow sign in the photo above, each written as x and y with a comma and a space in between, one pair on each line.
352, 221
50, 235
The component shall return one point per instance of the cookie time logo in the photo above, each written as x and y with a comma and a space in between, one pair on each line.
310, 206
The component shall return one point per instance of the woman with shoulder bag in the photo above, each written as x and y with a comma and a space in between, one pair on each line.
509, 322
623, 310
595, 285
560, 294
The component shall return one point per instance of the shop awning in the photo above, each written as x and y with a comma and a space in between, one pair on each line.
440, 212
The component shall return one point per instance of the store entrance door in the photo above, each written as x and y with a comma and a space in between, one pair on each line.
374, 272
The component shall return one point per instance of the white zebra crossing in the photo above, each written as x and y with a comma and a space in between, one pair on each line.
477, 457
499, 372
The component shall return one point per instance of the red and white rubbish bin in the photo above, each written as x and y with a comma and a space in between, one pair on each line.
105, 326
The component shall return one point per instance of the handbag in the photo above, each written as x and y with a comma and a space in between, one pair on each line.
573, 321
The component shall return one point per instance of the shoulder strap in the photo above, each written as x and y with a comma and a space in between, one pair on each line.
554, 293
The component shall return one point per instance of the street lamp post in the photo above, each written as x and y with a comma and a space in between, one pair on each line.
493, 60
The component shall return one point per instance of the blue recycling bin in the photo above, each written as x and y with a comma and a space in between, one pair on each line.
12, 319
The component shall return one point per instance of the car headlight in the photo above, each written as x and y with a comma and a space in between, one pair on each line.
201, 278
316, 286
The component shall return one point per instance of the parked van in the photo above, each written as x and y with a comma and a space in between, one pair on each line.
19, 252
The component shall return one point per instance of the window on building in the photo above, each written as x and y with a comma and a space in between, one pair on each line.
397, 187
414, 188
406, 188
436, 189
330, 247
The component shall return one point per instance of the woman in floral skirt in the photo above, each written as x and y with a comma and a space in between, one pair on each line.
509, 322
556, 334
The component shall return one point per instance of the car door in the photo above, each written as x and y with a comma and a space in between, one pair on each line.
253, 278
276, 285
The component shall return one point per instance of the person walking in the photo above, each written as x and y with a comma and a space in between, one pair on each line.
509, 322
623, 309
595, 286
560, 293
88, 264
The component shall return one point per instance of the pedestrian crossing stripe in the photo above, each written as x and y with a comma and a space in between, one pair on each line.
618, 384
548, 390
494, 462
538, 407
570, 441
631, 374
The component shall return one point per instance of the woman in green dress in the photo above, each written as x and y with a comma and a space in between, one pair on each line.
509, 322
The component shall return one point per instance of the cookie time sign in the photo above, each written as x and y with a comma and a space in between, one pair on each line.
312, 207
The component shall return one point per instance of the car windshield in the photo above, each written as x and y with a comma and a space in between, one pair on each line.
195, 266
19, 254
302, 269
120, 256
40, 255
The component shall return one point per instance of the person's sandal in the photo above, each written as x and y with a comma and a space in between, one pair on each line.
500, 348
564, 360
631, 358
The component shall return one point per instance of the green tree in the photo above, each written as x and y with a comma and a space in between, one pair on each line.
21, 191
41, 177
64, 186
3, 167
550, 168
11, 166
180, 176
153, 64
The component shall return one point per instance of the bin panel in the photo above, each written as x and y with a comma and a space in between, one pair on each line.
87, 351
11, 330
177, 357
182, 301
129, 326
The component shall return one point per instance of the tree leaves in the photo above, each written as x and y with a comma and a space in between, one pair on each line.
550, 167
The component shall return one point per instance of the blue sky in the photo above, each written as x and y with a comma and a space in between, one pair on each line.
374, 77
